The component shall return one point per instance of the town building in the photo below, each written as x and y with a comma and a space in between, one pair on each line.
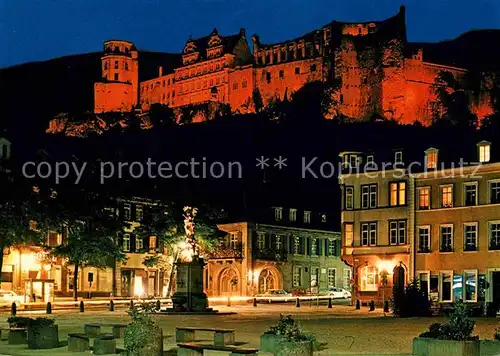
291, 250
436, 222
377, 71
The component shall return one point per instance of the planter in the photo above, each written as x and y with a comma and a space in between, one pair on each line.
268, 342
17, 336
43, 336
294, 348
423, 346
490, 347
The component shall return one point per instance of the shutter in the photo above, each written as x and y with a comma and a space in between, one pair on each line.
320, 246
268, 240
301, 245
327, 243
132, 243
284, 241
145, 244
338, 247
308, 246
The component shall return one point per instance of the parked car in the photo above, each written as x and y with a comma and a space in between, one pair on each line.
9, 297
338, 293
278, 295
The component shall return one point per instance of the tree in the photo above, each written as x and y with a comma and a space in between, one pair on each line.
313, 101
258, 103
166, 222
90, 232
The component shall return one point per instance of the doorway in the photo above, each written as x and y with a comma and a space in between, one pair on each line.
495, 287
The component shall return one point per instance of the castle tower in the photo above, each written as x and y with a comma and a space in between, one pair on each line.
118, 89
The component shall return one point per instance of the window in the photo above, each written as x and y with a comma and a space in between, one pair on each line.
233, 240
235, 85
494, 234
331, 277
314, 247
279, 242
470, 194
397, 232
293, 215
423, 278
457, 287
116, 76
484, 151
139, 243
126, 242
282, 74
296, 245
446, 196
398, 193
106, 65
346, 278
369, 234
307, 217
369, 196
431, 157
424, 238
297, 70
139, 213
424, 198
261, 240
278, 214
152, 243
126, 211
323, 218
446, 235
313, 67
332, 247
369, 276
470, 236
446, 284
314, 277
244, 83
116, 64
470, 285
349, 198
126, 68
348, 234
297, 276
494, 192
398, 157
268, 77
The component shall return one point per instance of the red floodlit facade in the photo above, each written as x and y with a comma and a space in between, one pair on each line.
378, 70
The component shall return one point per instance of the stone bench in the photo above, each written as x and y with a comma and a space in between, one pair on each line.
195, 349
104, 344
221, 336
78, 342
94, 330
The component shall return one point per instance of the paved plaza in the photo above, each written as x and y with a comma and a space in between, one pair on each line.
344, 330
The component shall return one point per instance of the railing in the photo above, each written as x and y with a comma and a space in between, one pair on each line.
227, 251
270, 254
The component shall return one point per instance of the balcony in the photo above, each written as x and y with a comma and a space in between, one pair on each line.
224, 251
270, 254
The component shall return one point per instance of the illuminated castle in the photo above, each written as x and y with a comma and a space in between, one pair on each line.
379, 70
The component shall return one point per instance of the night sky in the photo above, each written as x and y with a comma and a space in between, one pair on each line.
32, 30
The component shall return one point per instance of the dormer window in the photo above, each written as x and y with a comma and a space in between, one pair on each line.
293, 215
398, 157
278, 214
484, 151
370, 159
431, 158
307, 217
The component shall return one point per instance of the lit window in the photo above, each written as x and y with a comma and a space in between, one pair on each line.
139, 213
398, 193
139, 243
152, 243
370, 159
484, 151
314, 247
323, 218
346, 278
261, 240
126, 242
446, 193
494, 235
470, 194
470, 285
397, 232
278, 214
446, 285
424, 239
331, 277
126, 211
293, 215
446, 236
349, 198
369, 278
494, 192
279, 242
398, 157
296, 245
307, 217
470, 237
233, 240
424, 198
369, 234
348, 234
297, 276
332, 247
431, 157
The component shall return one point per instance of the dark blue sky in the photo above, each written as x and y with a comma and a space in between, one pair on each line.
33, 30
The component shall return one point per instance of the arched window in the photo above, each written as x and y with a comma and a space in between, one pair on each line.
106, 64
368, 278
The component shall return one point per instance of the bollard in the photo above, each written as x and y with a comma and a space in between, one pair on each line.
329, 303
131, 304
372, 305
82, 307
255, 302
111, 305
13, 309
297, 303
228, 301
158, 305
386, 306
358, 304
49, 308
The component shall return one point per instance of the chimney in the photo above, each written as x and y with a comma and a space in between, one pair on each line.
160, 71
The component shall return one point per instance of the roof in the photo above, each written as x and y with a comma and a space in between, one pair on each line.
229, 42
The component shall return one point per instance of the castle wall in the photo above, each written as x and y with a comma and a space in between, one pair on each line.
241, 84
113, 97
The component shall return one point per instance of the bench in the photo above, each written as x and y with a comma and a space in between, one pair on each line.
94, 330
195, 349
221, 336
78, 342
